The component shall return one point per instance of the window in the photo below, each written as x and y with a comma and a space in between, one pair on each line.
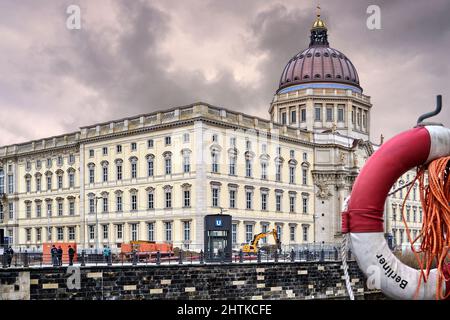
28, 165
91, 173
292, 233
353, 116
317, 112
133, 168
60, 181
305, 204
49, 163
232, 198
71, 159
168, 165
264, 229
278, 201
28, 210
168, 195
168, 231
305, 157
186, 230
150, 166
264, 170
10, 183
304, 176
150, 143
305, 233
105, 172
329, 114
133, 146
49, 209
11, 210
105, 151
71, 231
340, 114
28, 184
71, 179
279, 232
233, 142
72, 207
215, 197
248, 233
232, 166
105, 203
264, 201
278, 172
283, 118
249, 199
414, 214
214, 138
248, 145
39, 234
248, 168
215, 162
2, 181
28, 234
186, 137
91, 153
291, 174
49, 233
49, 182
150, 200
133, 202
119, 207
151, 231
60, 233
168, 141
303, 115
60, 209
38, 164
234, 233
293, 116
119, 148
292, 203
105, 232
292, 154
91, 232
186, 198
134, 232
92, 205
38, 184
119, 170
186, 162
119, 231
38, 210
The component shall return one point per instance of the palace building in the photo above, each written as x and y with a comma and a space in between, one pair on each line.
156, 176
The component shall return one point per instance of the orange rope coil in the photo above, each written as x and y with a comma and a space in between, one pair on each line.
434, 236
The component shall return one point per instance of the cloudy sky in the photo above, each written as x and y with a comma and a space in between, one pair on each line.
136, 56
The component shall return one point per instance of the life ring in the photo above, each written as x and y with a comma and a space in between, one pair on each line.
363, 219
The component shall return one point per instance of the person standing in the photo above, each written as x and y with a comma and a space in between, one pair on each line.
10, 254
54, 253
106, 253
60, 256
71, 253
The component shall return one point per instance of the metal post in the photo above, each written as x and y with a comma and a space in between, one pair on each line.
241, 256
83, 258
276, 256
180, 257
25, 259
97, 240
307, 254
292, 255
336, 252
134, 258
202, 257
158, 258
258, 256
110, 259
322, 255
5, 259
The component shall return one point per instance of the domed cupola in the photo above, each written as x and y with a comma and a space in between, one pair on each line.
319, 66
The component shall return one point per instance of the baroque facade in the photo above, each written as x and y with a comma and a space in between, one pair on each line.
155, 176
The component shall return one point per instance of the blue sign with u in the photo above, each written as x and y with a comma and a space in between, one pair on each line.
218, 222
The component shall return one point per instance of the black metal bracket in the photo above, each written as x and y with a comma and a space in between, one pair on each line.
431, 114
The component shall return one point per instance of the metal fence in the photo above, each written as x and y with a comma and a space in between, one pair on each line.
308, 252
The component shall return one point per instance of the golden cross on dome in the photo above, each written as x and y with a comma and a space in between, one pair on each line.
318, 10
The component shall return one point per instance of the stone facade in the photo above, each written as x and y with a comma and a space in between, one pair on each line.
300, 280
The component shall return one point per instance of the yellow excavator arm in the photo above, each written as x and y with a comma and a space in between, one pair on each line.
253, 247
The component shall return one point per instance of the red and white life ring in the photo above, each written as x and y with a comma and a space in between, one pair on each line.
364, 216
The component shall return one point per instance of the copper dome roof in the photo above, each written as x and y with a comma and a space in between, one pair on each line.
319, 63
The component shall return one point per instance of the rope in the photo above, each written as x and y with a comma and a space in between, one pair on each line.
344, 250
434, 236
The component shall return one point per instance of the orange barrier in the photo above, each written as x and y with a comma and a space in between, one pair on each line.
46, 251
146, 246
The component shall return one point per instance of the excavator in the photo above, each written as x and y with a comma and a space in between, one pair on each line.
253, 247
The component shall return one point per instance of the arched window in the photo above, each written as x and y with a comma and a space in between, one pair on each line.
133, 162
28, 182
105, 166
59, 179
91, 168
134, 199
150, 165
119, 171
150, 198
186, 154
168, 196
167, 162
